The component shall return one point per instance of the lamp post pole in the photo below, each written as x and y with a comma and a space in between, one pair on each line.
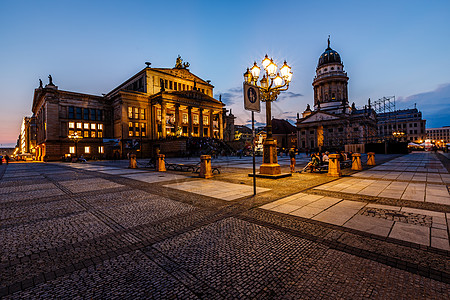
76, 138
270, 87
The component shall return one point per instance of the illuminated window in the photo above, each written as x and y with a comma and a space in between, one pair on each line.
71, 132
136, 126
93, 134
71, 124
86, 125
137, 133
136, 113
87, 149
100, 126
93, 126
86, 133
130, 125
72, 149
130, 112
79, 132
79, 125
195, 119
100, 134
185, 118
142, 111
205, 120
101, 149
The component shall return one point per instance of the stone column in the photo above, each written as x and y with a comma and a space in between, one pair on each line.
334, 167
205, 166
211, 124
371, 159
356, 162
201, 121
163, 119
177, 117
220, 125
189, 121
160, 163
154, 122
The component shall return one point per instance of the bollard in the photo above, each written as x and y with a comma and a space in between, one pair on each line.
334, 167
371, 159
160, 163
356, 162
133, 162
205, 166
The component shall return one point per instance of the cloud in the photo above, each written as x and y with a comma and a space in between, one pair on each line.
248, 123
434, 105
288, 95
231, 96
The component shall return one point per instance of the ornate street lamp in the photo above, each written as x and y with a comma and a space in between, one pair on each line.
270, 86
398, 134
75, 138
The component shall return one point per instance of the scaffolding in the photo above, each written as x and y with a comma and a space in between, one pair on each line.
385, 105
387, 116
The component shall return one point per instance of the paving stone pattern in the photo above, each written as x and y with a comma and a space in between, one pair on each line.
397, 216
102, 231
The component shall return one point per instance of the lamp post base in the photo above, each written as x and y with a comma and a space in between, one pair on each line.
270, 164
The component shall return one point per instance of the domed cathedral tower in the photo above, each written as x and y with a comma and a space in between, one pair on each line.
330, 84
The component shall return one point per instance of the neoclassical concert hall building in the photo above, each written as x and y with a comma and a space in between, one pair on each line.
155, 108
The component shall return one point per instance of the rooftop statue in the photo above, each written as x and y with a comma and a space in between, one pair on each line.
40, 83
50, 79
180, 65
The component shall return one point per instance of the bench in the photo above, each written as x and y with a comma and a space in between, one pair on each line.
213, 168
182, 167
346, 164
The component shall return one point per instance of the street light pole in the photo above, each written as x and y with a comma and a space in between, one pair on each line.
270, 86
76, 138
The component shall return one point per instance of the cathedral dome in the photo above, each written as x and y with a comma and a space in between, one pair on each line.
329, 56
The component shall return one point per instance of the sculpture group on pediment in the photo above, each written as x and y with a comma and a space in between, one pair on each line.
180, 65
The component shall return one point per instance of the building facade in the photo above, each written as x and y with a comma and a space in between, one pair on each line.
27, 137
155, 105
439, 136
333, 123
407, 122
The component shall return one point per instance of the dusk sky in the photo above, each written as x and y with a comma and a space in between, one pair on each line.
389, 48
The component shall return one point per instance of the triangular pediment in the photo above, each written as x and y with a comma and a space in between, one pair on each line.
318, 117
182, 73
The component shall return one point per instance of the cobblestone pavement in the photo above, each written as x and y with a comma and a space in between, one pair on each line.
100, 230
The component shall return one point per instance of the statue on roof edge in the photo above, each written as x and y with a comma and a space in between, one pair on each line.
180, 65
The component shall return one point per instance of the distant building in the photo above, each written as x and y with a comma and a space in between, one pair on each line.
243, 133
333, 123
284, 133
439, 136
27, 137
408, 122
155, 108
